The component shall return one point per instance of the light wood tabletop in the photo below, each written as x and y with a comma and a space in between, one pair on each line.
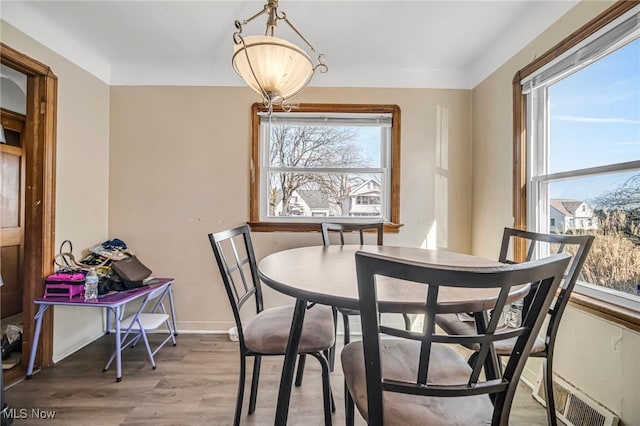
327, 275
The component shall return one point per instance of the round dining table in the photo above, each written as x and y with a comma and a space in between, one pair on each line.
327, 276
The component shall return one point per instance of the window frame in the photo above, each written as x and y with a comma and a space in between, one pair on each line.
309, 224
589, 300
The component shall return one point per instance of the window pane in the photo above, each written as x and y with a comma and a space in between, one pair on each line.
318, 161
308, 194
595, 113
325, 146
607, 206
10, 190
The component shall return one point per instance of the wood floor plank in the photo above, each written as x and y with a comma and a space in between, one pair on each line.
195, 383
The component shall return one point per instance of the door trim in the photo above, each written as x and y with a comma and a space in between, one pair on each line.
40, 154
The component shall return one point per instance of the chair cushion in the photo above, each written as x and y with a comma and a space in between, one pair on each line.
400, 362
268, 332
505, 347
451, 324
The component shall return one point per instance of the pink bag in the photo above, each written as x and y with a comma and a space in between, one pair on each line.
65, 278
64, 284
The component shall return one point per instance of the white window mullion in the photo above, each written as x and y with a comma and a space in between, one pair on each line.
386, 160
265, 136
538, 143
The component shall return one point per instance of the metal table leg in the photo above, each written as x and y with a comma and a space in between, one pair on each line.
36, 338
173, 312
118, 344
107, 328
288, 369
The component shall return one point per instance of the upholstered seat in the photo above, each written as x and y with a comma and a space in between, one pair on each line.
268, 332
451, 324
400, 360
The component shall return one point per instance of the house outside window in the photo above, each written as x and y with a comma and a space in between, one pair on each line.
583, 154
325, 163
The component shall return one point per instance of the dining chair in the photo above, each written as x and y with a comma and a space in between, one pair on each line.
419, 377
150, 316
327, 229
536, 245
267, 333
361, 228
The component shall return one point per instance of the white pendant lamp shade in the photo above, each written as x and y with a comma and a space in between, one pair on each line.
280, 68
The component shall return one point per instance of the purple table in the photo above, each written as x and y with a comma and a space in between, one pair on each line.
112, 302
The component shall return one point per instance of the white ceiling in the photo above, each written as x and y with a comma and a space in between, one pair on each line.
425, 44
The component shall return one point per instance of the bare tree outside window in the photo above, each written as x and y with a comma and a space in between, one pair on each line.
309, 147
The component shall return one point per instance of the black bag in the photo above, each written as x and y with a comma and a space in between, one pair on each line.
110, 283
131, 271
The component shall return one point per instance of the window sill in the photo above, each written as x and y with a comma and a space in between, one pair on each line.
391, 228
625, 317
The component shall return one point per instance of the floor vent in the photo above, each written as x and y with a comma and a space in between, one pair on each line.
573, 407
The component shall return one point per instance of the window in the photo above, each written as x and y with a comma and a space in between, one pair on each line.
580, 113
325, 162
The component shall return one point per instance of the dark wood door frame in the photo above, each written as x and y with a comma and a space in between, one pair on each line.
40, 153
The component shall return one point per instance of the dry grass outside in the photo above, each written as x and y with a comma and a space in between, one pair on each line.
613, 263
615, 254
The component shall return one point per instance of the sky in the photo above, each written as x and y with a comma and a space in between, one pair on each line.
368, 140
595, 120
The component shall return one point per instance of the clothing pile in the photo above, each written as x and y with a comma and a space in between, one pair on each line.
11, 340
110, 261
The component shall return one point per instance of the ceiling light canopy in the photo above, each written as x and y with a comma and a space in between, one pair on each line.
275, 68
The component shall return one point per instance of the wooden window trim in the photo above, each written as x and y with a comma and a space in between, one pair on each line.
254, 192
616, 314
623, 316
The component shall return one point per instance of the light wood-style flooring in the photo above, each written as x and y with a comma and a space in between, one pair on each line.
194, 384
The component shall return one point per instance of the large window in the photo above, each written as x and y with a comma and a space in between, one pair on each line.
325, 163
581, 117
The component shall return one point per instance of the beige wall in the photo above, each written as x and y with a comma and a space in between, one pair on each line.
162, 167
82, 174
598, 357
180, 169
